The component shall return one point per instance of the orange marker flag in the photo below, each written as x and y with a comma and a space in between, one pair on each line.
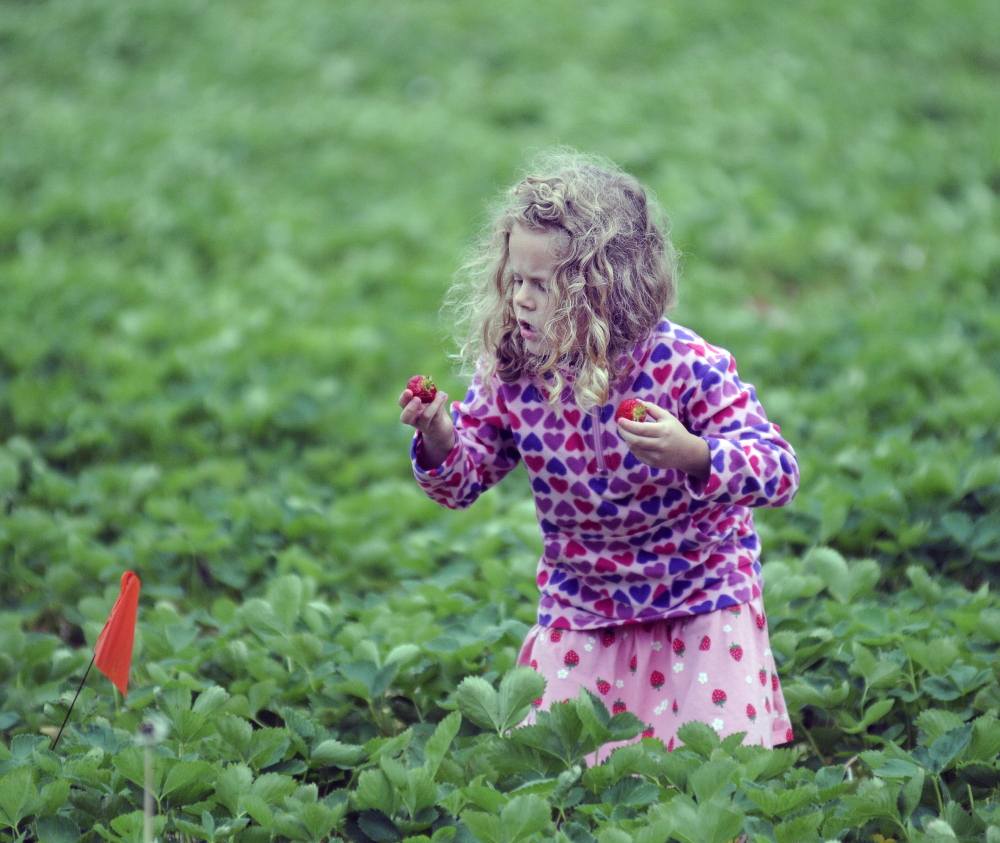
113, 652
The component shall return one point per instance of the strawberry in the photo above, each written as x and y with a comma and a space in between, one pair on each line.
789, 735
670, 746
719, 697
572, 659
673, 708
774, 682
603, 686
608, 637
633, 665
631, 409
537, 703
656, 679
762, 675
706, 643
751, 712
648, 733
735, 611
534, 664
767, 704
761, 621
422, 387
736, 651
678, 646
618, 707
555, 636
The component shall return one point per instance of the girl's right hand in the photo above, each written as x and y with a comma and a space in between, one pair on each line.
434, 422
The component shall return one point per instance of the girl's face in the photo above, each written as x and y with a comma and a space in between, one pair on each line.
533, 258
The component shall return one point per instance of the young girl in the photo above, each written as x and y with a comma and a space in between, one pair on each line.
650, 577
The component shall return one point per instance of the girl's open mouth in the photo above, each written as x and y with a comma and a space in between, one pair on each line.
527, 331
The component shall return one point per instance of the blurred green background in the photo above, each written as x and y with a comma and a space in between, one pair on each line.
226, 229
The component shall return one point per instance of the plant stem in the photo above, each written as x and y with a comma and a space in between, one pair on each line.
147, 798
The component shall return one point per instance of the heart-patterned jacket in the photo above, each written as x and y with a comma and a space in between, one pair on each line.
623, 542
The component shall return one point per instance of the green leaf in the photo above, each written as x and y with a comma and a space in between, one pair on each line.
518, 689
376, 792
909, 796
285, 596
780, 801
874, 799
524, 816
232, 782
698, 737
479, 703
187, 780
337, 754
941, 754
439, 742
985, 742
57, 828
801, 829
210, 700
18, 797
876, 711
713, 777
485, 828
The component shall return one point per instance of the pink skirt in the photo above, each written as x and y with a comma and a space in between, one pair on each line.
716, 668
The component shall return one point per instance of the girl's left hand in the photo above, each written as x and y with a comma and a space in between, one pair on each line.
661, 441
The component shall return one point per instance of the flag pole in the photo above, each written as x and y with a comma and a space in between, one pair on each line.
55, 740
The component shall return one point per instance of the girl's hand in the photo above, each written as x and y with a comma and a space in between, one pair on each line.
434, 422
663, 442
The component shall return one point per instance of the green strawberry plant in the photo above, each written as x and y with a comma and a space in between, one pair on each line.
224, 237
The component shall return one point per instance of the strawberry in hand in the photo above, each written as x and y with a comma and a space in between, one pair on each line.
422, 387
632, 409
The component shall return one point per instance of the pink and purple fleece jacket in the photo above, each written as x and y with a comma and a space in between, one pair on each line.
623, 542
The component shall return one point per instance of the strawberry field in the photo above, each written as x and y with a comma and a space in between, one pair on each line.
225, 232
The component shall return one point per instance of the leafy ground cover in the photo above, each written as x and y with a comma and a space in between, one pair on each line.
224, 234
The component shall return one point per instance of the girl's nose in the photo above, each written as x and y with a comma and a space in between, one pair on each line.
522, 298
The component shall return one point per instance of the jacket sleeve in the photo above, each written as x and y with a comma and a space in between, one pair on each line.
485, 451
751, 464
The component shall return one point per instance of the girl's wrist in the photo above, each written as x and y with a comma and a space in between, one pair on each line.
698, 458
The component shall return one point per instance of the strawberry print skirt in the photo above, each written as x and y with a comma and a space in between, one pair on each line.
714, 667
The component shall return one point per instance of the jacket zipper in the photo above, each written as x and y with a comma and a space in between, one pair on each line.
595, 416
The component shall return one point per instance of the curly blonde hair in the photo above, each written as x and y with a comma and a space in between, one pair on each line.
615, 277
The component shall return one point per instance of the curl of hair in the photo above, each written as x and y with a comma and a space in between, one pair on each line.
615, 277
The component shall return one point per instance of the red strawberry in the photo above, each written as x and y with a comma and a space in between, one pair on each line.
670, 746
678, 646
751, 712
555, 636
631, 409
736, 651
673, 708
572, 659
537, 703
761, 621
603, 686
633, 665
705, 644
656, 679
534, 664
648, 733
422, 387
774, 682
789, 735
735, 611
719, 697
767, 704
608, 637
618, 707
762, 675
